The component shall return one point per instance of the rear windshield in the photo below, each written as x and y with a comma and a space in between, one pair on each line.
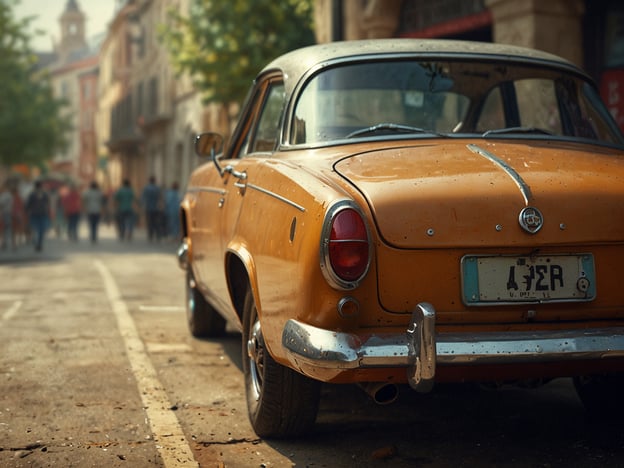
449, 97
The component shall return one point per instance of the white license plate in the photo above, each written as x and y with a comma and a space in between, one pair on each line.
506, 279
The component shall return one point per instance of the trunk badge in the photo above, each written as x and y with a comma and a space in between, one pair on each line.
530, 219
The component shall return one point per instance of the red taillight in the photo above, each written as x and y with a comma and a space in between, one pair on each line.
348, 245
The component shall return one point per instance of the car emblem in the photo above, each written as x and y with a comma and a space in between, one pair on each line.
531, 219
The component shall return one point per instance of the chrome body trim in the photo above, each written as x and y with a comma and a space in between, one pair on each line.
273, 194
420, 349
522, 185
206, 190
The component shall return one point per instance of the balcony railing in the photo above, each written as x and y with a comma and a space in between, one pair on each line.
138, 113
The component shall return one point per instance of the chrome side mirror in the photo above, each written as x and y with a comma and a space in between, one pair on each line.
208, 144
211, 144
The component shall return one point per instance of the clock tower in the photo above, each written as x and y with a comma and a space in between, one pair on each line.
72, 23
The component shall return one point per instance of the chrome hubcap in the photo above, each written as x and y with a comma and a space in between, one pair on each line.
255, 353
190, 306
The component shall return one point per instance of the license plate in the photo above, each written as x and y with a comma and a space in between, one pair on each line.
506, 279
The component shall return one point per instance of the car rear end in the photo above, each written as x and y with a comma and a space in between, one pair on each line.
491, 195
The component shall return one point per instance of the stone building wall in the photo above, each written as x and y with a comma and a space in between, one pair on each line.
555, 26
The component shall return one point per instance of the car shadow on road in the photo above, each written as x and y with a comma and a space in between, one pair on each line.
464, 425
454, 425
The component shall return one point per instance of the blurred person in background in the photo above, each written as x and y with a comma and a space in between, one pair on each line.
72, 207
6, 216
38, 210
93, 205
56, 207
124, 210
19, 225
151, 201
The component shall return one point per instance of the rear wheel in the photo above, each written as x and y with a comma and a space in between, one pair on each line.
601, 394
203, 320
281, 402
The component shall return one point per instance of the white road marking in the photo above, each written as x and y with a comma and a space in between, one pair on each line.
170, 440
12, 311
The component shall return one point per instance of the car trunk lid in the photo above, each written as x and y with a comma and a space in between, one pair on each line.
471, 194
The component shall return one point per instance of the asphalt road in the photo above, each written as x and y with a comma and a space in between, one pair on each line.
97, 368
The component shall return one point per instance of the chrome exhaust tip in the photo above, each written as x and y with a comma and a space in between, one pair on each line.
382, 393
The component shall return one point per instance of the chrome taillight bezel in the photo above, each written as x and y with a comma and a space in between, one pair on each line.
330, 275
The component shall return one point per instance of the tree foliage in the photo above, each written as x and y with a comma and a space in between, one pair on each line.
31, 125
224, 44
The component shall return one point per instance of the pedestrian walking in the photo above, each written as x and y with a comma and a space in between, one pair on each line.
124, 209
151, 201
19, 224
72, 207
93, 204
172, 210
108, 215
38, 210
6, 216
59, 223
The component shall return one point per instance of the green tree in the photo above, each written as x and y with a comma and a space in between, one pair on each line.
224, 44
31, 126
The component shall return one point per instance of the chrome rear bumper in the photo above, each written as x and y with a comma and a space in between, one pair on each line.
420, 349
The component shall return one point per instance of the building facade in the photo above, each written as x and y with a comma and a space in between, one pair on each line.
88, 161
148, 115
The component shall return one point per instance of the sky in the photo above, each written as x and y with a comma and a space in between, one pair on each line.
98, 14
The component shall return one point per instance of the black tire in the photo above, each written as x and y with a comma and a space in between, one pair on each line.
601, 394
203, 320
281, 402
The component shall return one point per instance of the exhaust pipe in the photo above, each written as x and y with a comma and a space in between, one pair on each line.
382, 393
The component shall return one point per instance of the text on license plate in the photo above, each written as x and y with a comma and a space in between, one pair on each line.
506, 279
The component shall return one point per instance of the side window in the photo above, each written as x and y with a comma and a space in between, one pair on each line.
243, 135
267, 131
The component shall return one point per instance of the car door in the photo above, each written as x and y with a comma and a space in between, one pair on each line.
257, 139
207, 197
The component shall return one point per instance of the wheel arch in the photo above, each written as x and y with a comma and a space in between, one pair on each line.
184, 228
241, 276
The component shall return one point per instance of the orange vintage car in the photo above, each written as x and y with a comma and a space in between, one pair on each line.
411, 211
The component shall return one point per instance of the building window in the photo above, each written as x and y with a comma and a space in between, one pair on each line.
152, 100
86, 90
